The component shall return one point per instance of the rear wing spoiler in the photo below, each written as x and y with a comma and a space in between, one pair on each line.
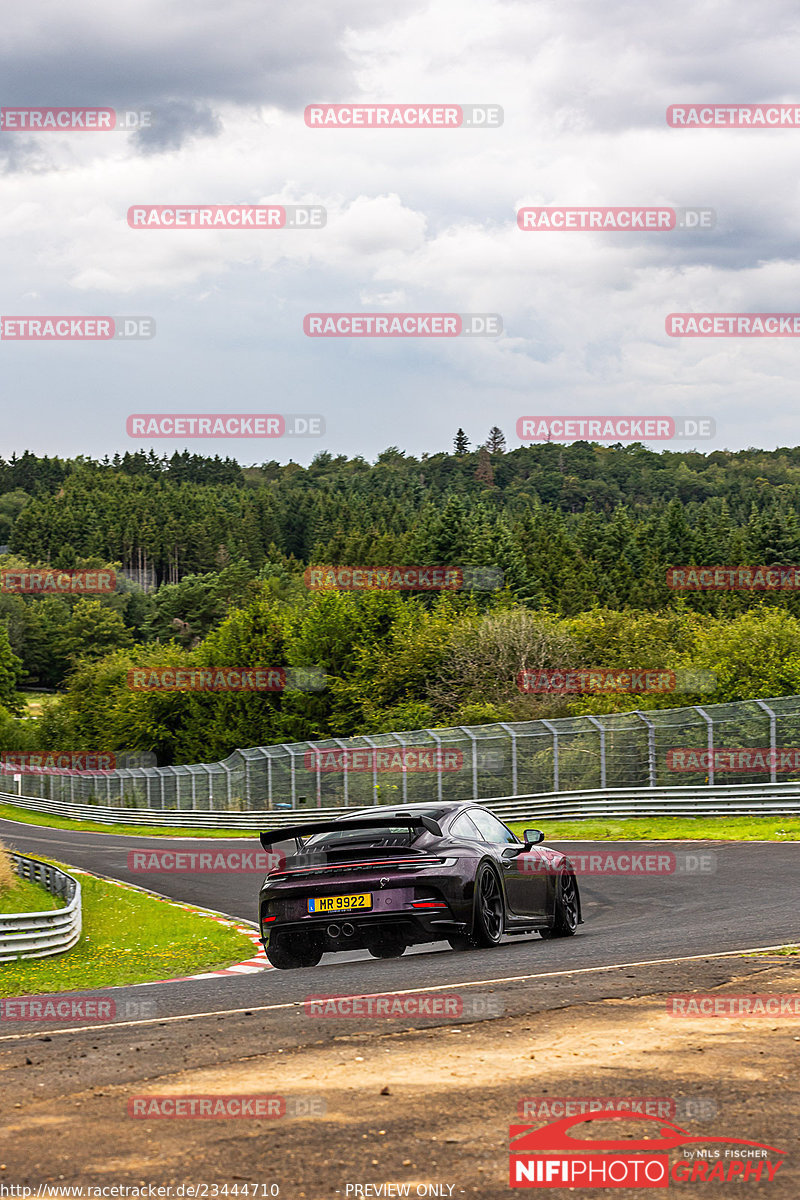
270, 836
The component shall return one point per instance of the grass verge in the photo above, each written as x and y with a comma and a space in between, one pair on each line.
732, 829
10, 812
728, 829
24, 897
128, 937
666, 828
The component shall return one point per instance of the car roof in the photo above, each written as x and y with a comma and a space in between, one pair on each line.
444, 808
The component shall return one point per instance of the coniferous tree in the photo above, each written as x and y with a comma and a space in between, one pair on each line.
496, 441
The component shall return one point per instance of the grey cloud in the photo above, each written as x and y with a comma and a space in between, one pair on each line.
193, 54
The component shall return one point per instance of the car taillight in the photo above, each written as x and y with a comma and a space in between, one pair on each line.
428, 904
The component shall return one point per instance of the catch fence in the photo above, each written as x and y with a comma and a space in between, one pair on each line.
747, 742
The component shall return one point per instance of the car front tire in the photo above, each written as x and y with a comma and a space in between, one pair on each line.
566, 908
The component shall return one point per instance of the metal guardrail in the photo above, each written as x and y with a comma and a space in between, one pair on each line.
738, 800
39, 934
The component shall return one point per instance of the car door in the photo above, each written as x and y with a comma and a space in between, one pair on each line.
526, 890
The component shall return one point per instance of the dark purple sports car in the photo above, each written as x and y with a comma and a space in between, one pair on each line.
387, 878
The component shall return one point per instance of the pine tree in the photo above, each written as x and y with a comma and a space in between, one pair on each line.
496, 441
461, 443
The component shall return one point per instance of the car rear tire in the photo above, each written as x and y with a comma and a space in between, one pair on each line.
303, 953
566, 908
460, 941
387, 949
488, 921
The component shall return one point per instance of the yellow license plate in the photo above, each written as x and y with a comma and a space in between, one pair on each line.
340, 903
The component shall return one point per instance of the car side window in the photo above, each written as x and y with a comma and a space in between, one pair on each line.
490, 829
463, 827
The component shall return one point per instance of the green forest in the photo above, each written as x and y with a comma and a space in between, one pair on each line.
210, 558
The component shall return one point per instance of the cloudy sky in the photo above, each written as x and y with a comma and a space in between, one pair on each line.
418, 220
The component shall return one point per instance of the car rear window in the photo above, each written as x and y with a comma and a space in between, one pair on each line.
381, 835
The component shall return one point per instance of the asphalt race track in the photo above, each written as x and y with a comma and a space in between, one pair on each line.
752, 899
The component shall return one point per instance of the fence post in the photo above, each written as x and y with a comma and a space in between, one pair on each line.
710, 728
596, 723
398, 738
293, 785
370, 742
651, 747
345, 788
474, 741
773, 742
510, 731
549, 725
438, 742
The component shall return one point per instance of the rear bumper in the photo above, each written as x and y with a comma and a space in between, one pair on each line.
356, 931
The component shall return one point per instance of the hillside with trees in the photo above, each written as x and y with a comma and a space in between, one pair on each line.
583, 534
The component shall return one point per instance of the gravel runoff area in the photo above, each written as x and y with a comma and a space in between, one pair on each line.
403, 1102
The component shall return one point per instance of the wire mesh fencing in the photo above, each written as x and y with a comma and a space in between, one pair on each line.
753, 741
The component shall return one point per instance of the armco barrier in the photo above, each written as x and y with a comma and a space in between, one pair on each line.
733, 800
39, 934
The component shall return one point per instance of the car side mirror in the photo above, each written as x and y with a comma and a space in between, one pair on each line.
532, 837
